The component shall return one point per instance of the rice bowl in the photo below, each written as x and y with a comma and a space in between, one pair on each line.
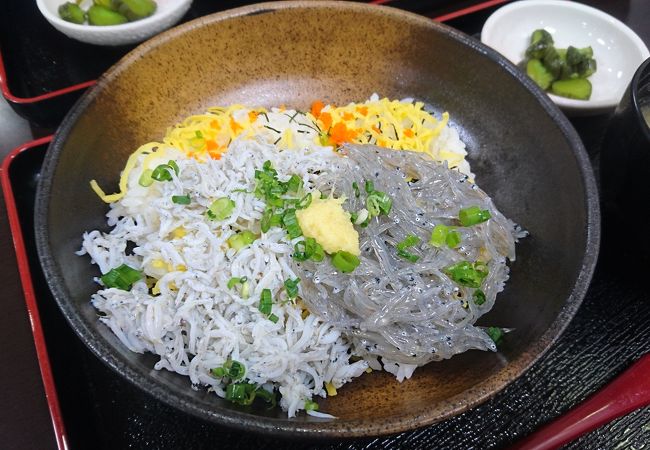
152, 88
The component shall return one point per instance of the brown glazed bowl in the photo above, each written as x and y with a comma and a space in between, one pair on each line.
523, 150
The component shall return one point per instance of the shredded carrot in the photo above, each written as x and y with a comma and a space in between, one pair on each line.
214, 154
234, 126
408, 133
363, 110
326, 120
375, 129
348, 116
340, 133
252, 116
210, 144
214, 124
316, 108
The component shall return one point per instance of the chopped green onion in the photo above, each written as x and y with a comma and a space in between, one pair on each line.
171, 163
439, 235
241, 393
145, 179
241, 240
163, 172
181, 199
245, 289
453, 239
294, 184
495, 333
198, 134
268, 167
408, 256
235, 281
378, 203
473, 215
408, 241
266, 302
304, 202
442, 234
353, 217
234, 369
291, 286
290, 222
268, 397
324, 139
221, 208
244, 393
218, 372
355, 186
370, 187
121, 277
273, 318
265, 224
311, 406
467, 274
479, 297
308, 249
344, 261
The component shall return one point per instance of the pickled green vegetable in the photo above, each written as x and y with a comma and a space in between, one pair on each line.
540, 42
577, 88
102, 16
137, 9
113, 5
547, 65
536, 70
71, 12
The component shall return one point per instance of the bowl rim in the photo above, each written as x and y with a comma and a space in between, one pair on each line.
174, 6
284, 427
491, 28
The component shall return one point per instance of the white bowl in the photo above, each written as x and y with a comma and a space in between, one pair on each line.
617, 49
167, 14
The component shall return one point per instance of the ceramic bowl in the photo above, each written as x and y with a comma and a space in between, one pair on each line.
167, 14
617, 49
523, 150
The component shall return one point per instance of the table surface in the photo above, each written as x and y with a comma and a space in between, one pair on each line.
24, 418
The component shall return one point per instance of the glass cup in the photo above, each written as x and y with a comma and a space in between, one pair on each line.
625, 170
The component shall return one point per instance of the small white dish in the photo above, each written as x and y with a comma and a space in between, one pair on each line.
617, 49
168, 12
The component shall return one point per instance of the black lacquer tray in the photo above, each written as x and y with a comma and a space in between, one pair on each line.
42, 73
